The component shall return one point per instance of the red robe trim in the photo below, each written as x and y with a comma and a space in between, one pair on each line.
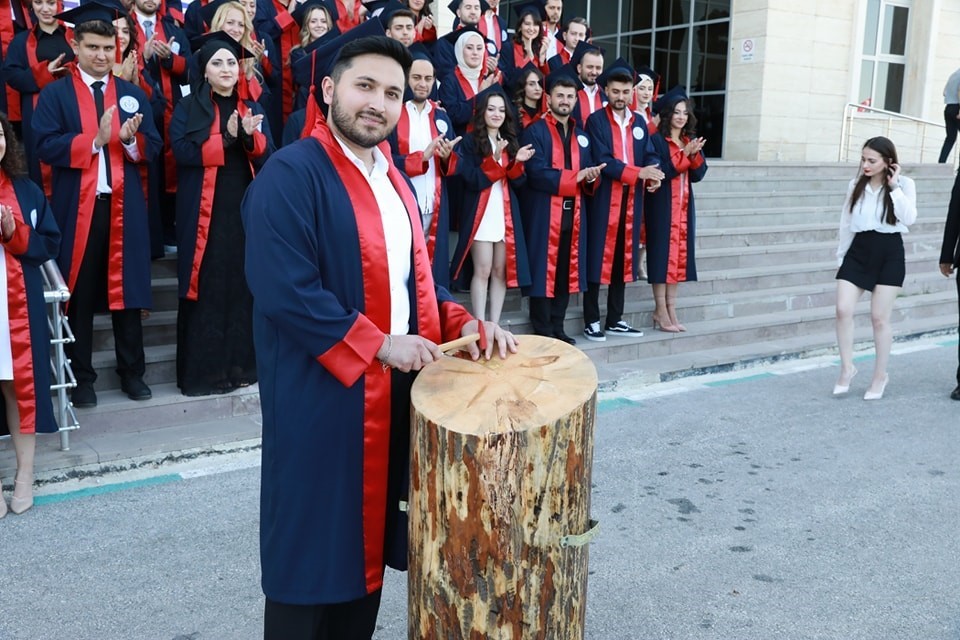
569, 188
628, 181
212, 153
18, 312
7, 32
367, 333
43, 77
166, 82
680, 196
495, 171
497, 35
345, 22
587, 104
82, 158
289, 38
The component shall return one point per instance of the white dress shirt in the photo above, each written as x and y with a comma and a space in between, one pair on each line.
868, 213
397, 235
102, 185
624, 123
421, 135
595, 103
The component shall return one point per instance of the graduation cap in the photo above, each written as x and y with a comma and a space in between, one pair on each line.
102, 10
385, 9
455, 5
216, 40
669, 100
535, 9
563, 72
419, 51
453, 36
526, 69
619, 68
300, 12
209, 10
583, 48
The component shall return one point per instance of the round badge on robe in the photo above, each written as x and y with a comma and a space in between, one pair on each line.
129, 104
503, 36
582, 139
442, 127
491, 48
638, 133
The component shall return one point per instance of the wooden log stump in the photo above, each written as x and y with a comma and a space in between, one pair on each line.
501, 456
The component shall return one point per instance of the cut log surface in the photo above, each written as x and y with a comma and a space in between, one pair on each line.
501, 455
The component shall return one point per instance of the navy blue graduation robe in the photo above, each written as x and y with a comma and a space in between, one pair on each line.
65, 130
478, 176
412, 164
582, 109
458, 97
197, 166
35, 240
622, 173
671, 215
29, 75
315, 264
542, 204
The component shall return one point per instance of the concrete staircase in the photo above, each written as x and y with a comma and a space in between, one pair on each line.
766, 236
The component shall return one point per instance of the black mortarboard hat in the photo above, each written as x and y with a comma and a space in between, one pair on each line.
669, 100
103, 10
385, 9
533, 8
208, 11
313, 68
419, 51
453, 6
583, 48
564, 72
216, 40
619, 67
300, 12
649, 73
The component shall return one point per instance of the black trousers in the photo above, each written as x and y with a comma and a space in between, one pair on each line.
89, 296
958, 324
950, 120
547, 314
354, 620
617, 288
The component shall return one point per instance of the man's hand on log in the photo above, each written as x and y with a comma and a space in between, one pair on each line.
494, 336
408, 353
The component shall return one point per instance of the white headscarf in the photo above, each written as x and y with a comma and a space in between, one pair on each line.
472, 75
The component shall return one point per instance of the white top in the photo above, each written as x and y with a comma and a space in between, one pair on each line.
493, 226
592, 93
867, 214
624, 123
420, 137
102, 185
553, 45
6, 352
396, 234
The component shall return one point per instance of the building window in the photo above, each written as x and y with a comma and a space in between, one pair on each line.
883, 60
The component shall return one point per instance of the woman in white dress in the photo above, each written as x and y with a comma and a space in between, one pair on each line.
28, 238
880, 205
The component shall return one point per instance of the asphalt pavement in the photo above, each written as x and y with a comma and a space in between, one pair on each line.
748, 505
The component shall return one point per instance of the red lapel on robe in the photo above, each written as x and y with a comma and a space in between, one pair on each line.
556, 207
88, 188
617, 188
7, 32
677, 256
19, 322
376, 296
289, 38
403, 145
42, 77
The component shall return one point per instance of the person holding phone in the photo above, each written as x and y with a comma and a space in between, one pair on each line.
880, 206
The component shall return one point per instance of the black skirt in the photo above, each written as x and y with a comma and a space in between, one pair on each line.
874, 258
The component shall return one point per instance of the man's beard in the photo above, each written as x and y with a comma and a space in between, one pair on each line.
350, 129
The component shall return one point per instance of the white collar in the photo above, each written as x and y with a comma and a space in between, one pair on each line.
89, 79
412, 107
380, 164
142, 16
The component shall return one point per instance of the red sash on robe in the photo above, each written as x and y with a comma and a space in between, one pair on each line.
496, 36
43, 77
18, 312
568, 183
616, 199
376, 300
587, 104
7, 32
82, 157
213, 157
289, 38
679, 209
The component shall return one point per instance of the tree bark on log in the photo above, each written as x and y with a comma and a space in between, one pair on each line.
501, 458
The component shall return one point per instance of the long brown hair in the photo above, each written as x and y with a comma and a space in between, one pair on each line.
518, 34
508, 130
666, 115
14, 162
887, 150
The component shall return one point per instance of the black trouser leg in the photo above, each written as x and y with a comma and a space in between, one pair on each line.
561, 289
950, 121
128, 338
616, 293
591, 304
540, 316
616, 290
88, 294
354, 620
958, 346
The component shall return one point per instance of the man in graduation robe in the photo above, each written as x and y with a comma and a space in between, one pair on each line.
615, 213
587, 61
345, 306
98, 197
560, 172
577, 31
423, 147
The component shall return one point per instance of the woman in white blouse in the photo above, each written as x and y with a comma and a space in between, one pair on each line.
880, 205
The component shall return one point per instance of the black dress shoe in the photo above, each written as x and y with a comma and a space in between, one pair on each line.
83, 396
563, 336
136, 389
955, 394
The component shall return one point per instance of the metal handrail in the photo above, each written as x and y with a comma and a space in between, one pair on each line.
56, 294
891, 116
